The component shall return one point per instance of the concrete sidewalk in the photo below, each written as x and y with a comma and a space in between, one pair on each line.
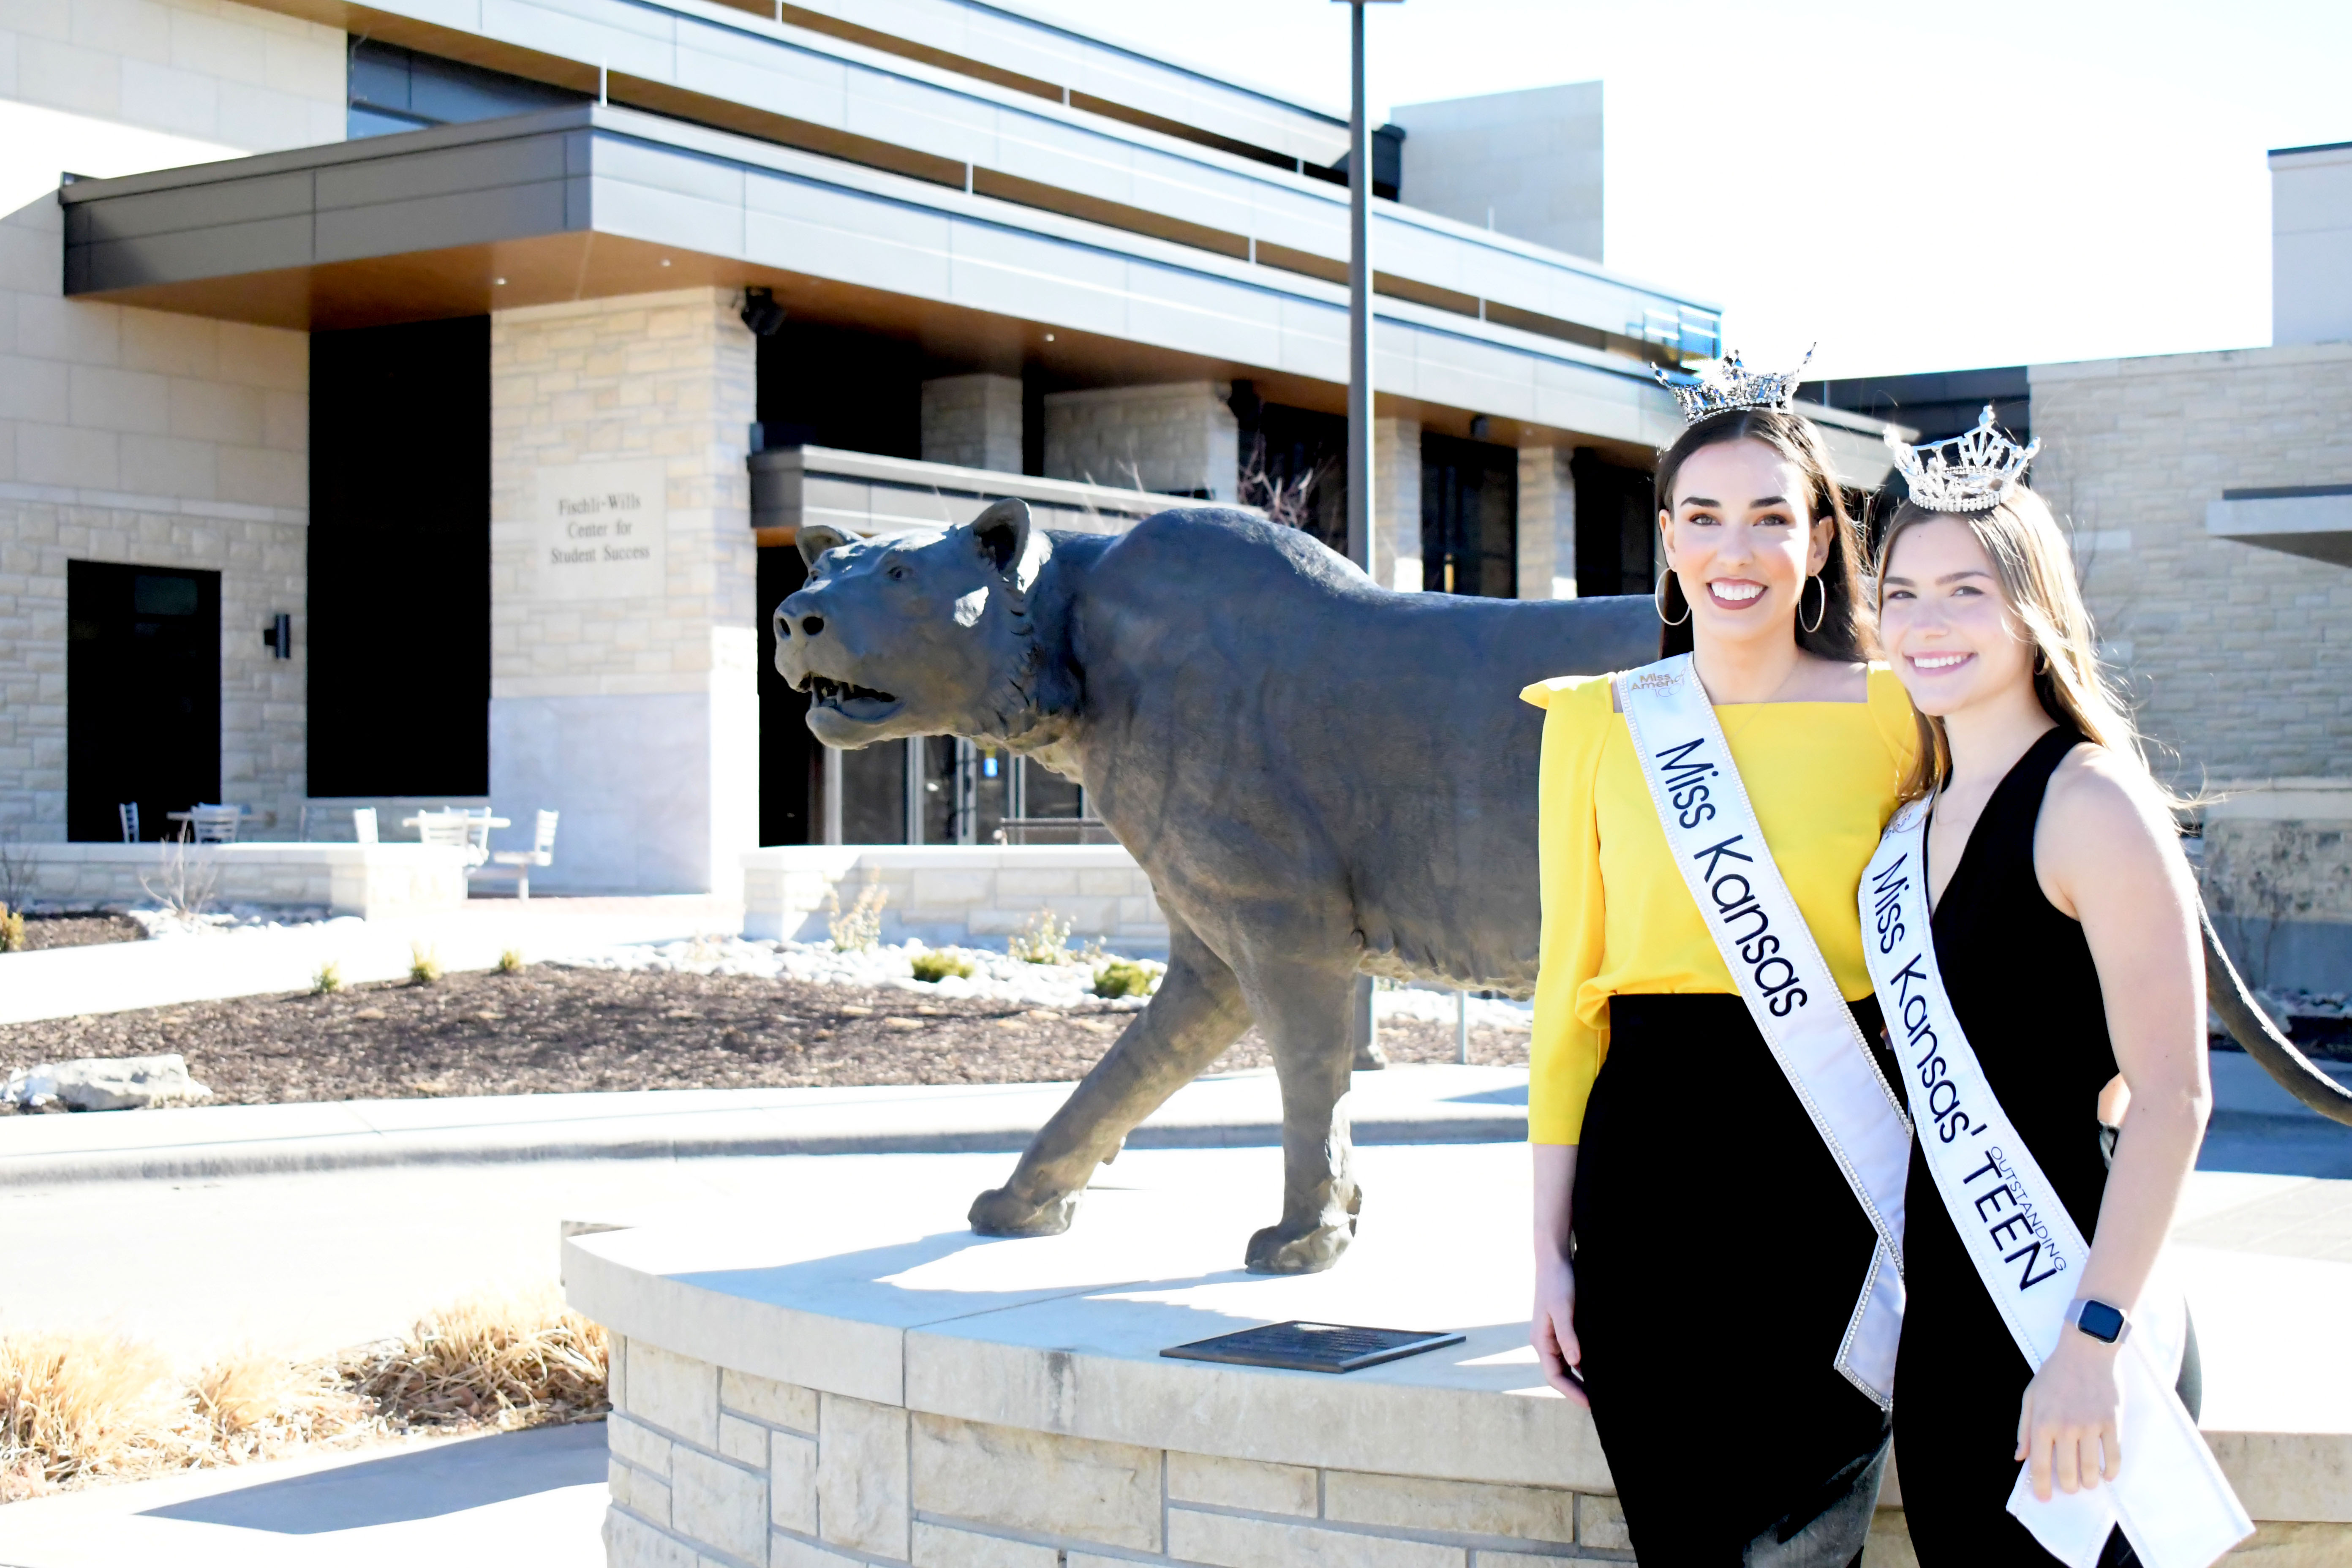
115, 977
523, 1499
1404, 1104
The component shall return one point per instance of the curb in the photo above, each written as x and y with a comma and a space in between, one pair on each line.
501, 1146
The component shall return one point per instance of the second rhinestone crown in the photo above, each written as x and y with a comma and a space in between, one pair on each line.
1968, 473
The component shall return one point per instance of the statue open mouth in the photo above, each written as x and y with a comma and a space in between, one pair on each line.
850, 699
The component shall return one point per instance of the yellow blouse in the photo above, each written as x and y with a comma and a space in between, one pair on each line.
1617, 916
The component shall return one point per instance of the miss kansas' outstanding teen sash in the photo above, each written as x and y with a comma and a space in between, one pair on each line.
2175, 1506
1712, 831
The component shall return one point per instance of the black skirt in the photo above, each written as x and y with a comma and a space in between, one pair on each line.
1718, 1256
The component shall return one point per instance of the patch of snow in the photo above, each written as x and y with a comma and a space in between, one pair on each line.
995, 976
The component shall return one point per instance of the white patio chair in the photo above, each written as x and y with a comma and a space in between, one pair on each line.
214, 823
447, 827
517, 863
129, 812
363, 825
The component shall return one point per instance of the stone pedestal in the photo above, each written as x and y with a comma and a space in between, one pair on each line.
1547, 524
845, 1375
622, 686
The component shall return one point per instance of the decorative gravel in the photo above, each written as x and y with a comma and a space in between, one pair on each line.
713, 1015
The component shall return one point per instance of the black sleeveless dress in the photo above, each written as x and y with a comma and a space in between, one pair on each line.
2026, 994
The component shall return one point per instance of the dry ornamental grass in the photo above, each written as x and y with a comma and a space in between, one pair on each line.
79, 1407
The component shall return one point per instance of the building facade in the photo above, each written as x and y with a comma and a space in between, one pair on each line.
424, 412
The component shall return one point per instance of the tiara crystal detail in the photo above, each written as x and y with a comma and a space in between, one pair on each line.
1969, 472
1732, 385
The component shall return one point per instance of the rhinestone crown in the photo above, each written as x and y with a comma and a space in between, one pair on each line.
1731, 385
1968, 473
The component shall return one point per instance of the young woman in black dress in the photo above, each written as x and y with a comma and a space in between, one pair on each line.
2065, 925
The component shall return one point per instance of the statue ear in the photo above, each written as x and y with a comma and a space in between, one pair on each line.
1003, 533
814, 538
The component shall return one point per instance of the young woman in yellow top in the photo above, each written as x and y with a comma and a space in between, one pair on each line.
1698, 1249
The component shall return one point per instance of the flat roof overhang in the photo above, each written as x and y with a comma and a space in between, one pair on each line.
2314, 522
597, 201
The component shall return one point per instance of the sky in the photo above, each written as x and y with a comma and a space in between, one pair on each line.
1911, 187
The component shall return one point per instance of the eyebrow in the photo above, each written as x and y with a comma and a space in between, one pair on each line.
1947, 577
1758, 502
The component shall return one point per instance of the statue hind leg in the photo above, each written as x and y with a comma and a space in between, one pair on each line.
1307, 1014
1196, 1012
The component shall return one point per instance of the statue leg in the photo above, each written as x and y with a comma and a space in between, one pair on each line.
1196, 1012
1307, 1018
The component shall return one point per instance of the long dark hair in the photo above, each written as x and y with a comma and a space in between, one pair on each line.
1848, 633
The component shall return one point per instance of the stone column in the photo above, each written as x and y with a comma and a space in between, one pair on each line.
973, 422
623, 690
1181, 439
1396, 504
1547, 524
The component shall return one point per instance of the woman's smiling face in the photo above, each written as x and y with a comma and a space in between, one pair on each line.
1945, 626
1741, 540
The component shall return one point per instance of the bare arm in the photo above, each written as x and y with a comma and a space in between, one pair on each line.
2107, 854
1553, 1328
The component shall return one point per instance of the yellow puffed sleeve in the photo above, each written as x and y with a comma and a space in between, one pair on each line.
1564, 1054
1897, 720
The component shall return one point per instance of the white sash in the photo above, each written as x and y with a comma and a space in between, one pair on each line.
1712, 831
2174, 1504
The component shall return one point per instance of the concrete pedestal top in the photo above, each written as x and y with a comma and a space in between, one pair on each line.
1011, 1362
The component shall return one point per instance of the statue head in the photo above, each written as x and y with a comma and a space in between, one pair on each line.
927, 632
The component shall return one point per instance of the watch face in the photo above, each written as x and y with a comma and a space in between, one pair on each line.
2101, 1322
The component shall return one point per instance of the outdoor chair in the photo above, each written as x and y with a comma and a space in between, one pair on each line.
450, 829
214, 823
129, 812
363, 825
517, 863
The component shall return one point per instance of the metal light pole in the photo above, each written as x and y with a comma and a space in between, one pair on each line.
1359, 397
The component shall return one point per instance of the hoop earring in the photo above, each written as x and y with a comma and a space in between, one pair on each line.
1818, 615
1658, 599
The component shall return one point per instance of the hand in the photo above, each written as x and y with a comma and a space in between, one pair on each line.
1553, 1330
2068, 1425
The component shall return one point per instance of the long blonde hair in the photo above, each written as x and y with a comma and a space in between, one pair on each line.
2037, 582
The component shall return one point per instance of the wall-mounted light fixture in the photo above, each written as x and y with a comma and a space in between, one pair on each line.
277, 637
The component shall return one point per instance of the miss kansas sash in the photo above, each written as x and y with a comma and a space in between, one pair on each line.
1712, 831
2175, 1506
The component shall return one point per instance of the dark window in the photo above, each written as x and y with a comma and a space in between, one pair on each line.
1281, 447
874, 793
394, 89
400, 560
1469, 518
792, 764
1616, 529
824, 385
143, 696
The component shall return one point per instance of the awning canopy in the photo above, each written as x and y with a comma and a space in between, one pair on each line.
2310, 520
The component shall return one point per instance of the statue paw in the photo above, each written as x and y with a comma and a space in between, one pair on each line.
1280, 1249
1003, 1212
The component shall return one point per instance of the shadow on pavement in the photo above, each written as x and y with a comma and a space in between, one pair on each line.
445, 1477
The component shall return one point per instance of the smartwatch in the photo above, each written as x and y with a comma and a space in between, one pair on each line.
2107, 1324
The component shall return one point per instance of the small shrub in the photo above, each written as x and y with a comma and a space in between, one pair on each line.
423, 964
510, 961
508, 1360
1041, 939
1125, 977
12, 930
328, 980
860, 929
939, 962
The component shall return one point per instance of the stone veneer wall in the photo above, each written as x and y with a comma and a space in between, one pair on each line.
1547, 523
714, 1465
949, 894
139, 436
636, 718
2233, 652
973, 422
1396, 504
1180, 438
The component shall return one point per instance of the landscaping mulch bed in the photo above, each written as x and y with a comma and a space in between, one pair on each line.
550, 1029
78, 931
